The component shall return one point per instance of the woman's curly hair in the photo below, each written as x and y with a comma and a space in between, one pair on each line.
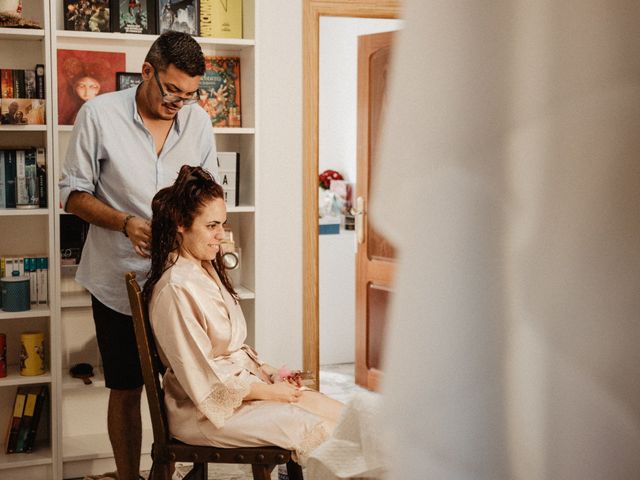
177, 206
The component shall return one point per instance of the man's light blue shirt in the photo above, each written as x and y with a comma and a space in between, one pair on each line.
112, 155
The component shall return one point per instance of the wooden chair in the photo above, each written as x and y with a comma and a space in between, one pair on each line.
165, 449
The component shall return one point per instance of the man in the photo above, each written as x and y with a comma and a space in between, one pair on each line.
126, 146
10, 118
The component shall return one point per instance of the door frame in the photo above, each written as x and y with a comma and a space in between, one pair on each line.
311, 13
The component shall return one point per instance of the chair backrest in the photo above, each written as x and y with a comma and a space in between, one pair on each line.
150, 362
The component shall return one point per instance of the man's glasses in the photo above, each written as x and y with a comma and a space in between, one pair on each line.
171, 99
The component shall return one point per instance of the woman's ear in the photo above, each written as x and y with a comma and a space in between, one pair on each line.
180, 229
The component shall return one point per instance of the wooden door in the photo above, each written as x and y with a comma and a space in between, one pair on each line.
375, 256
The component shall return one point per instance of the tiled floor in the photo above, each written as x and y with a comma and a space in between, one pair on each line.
336, 381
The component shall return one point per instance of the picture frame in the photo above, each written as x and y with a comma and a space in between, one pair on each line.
178, 15
83, 74
133, 16
87, 15
126, 80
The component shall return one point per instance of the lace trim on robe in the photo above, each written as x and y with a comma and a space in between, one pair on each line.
309, 443
223, 400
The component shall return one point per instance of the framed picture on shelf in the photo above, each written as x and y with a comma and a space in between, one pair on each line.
87, 15
220, 91
126, 80
81, 76
133, 16
178, 15
22, 111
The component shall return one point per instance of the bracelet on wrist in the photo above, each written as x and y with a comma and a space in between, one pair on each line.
124, 224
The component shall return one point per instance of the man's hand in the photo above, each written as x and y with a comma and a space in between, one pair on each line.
139, 232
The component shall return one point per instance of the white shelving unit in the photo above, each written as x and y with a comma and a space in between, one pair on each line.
76, 442
30, 233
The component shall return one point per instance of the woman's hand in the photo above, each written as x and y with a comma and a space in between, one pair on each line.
277, 392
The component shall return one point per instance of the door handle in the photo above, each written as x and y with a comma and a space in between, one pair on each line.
358, 213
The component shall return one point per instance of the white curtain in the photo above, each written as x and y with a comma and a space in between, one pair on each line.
513, 131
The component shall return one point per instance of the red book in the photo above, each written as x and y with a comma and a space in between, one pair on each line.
6, 82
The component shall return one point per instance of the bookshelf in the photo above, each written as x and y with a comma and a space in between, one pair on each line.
31, 234
76, 441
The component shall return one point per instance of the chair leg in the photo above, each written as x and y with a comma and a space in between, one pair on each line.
160, 471
198, 472
261, 471
294, 471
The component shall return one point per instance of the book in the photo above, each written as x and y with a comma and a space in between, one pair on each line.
228, 171
18, 84
42, 177
27, 419
30, 90
6, 83
22, 111
16, 419
9, 178
3, 200
30, 269
42, 272
221, 18
40, 88
220, 91
178, 15
133, 16
41, 401
87, 15
26, 179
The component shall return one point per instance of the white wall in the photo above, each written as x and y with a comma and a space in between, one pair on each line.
278, 329
339, 89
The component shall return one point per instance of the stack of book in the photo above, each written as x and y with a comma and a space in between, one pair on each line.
25, 417
23, 178
22, 95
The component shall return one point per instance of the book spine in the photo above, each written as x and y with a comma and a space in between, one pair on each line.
27, 420
10, 178
42, 177
40, 88
18, 84
40, 404
152, 18
42, 275
16, 419
237, 179
30, 84
6, 82
22, 192
3, 200
114, 15
31, 175
207, 9
31, 270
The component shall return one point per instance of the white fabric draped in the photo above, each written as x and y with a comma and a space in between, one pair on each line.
513, 130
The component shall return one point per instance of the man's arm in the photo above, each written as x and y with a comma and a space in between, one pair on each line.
92, 210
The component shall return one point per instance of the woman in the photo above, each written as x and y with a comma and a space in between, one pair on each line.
84, 80
217, 390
